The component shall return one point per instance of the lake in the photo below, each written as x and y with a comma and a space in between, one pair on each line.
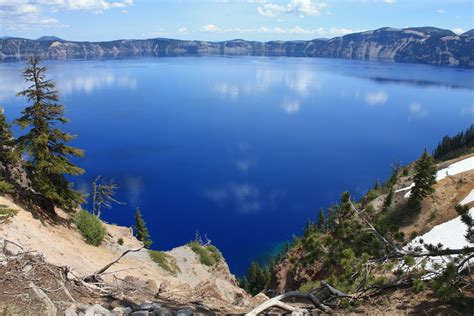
246, 149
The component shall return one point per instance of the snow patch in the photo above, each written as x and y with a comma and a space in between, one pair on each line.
453, 169
450, 234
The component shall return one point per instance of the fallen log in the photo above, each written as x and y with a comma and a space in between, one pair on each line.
93, 276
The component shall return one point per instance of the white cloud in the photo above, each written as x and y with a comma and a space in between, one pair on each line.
440, 11
321, 31
23, 15
375, 98
299, 7
458, 30
182, 30
210, 28
271, 10
390, 1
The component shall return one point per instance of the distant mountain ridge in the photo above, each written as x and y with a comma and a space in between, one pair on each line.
428, 45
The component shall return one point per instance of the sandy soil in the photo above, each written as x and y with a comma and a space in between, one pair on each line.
62, 245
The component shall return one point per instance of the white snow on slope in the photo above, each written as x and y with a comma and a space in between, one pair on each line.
453, 169
450, 234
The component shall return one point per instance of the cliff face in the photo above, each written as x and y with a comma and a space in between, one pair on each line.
414, 45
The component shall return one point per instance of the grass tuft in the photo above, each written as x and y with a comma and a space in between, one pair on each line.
208, 255
165, 261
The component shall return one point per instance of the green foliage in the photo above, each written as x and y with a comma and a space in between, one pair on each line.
308, 286
321, 223
165, 261
45, 144
120, 241
6, 213
90, 227
141, 230
452, 147
418, 285
5, 187
444, 287
256, 279
424, 178
372, 195
7, 142
209, 255
466, 218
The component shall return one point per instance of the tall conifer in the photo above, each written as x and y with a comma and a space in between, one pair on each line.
46, 145
424, 178
141, 230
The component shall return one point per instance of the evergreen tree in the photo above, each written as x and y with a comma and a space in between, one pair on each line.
331, 221
142, 233
6, 140
321, 224
256, 279
7, 155
424, 178
377, 185
45, 144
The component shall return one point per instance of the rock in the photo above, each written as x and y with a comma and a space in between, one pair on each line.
99, 310
147, 306
122, 311
151, 285
184, 312
71, 311
140, 313
162, 312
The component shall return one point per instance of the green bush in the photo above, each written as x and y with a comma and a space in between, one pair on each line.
372, 195
5, 187
90, 227
164, 260
120, 241
6, 213
208, 255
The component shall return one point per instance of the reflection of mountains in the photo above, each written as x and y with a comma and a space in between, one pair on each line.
422, 83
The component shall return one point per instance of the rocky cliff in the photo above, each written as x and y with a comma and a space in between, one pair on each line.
427, 45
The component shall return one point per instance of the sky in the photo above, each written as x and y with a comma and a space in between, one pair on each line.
215, 20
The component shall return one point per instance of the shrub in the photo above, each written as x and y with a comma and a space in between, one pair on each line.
308, 286
372, 195
5, 187
208, 255
6, 213
164, 260
120, 241
90, 227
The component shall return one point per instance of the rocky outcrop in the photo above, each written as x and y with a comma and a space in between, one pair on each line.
427, 45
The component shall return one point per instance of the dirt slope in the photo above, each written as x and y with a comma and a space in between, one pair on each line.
62, 245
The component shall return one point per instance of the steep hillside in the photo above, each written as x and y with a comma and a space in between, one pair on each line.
179, 278
427, 45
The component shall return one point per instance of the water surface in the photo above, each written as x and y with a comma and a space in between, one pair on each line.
246, 149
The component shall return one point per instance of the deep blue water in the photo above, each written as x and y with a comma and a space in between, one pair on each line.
246, 149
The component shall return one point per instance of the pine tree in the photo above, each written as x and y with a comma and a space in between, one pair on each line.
7, 155
256, 279
424, 178
321, 224
45, 143
331, 221
7, 142
141, 230
377, 185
